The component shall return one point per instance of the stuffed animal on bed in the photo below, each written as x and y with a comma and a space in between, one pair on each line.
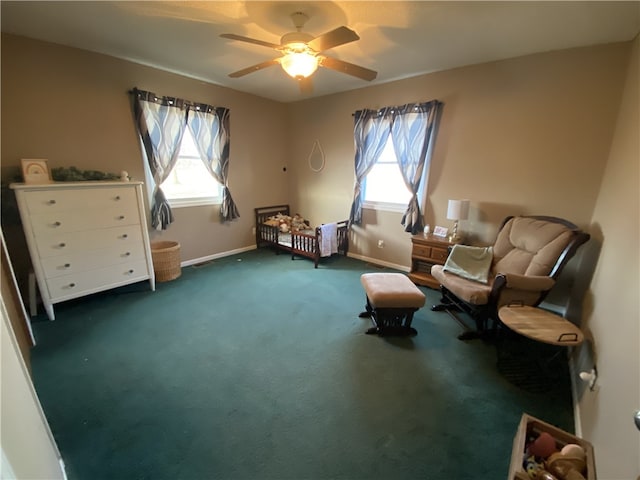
286, 224
299, 223
283, 222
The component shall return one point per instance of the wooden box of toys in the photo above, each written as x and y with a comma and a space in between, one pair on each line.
544, 452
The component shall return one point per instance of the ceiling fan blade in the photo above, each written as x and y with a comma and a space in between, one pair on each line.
348, 68
334, 38
306, 86
254, 68
233, 36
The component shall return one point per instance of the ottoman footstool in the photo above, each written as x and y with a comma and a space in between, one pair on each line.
392, 299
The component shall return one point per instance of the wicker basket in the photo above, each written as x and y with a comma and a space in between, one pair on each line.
166, 260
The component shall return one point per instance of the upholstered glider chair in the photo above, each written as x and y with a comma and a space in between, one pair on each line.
521, 267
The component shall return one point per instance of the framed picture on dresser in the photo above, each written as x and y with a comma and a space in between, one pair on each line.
440, 231
35, 171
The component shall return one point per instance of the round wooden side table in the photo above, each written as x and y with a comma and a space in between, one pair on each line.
531, 359
541, 325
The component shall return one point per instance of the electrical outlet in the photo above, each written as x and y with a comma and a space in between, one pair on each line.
380, 243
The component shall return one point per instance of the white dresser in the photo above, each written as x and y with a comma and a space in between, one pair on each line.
85, 237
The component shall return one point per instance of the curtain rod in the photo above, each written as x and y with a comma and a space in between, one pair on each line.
188, 103
437, 102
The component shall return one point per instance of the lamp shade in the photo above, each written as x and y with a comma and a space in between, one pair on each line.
299, 64
458, 210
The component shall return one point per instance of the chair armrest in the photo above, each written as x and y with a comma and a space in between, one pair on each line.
533, 283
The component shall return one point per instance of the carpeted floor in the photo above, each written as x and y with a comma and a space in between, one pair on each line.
257, 367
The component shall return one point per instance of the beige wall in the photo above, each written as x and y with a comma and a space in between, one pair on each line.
612, 309
540, 119
523, 136
72, 107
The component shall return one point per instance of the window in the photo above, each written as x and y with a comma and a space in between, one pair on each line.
190, 183
378, 186
384, 187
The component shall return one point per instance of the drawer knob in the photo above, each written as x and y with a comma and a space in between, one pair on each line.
56, 224
127, 254
62, 245
117, 197
71, 285
130, 271
67, 265
125, 235
121, 217
52, 202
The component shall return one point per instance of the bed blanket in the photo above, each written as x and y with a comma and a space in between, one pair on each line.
328, 239
469, 262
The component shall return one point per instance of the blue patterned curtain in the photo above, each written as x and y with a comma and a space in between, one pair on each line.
161, 122
412, 129
371, 132
412, 133
210, 128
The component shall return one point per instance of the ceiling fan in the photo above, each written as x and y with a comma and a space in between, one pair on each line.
302, 53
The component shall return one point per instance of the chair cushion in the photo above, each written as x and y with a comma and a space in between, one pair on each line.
471, 292
529, 246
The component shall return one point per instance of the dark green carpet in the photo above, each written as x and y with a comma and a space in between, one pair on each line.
257, 367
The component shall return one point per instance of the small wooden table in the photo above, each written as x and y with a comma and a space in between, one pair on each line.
540, 325
532, 368
427, 251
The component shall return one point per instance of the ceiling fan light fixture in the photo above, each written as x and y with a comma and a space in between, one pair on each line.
299, 64
302, 54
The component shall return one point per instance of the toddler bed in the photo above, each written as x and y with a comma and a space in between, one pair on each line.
276, 228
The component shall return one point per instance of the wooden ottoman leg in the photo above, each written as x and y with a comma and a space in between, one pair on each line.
396, 321
375, 319
368, 312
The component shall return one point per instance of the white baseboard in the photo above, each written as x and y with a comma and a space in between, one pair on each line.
215, 256
63, 468
574, 397
382, 263
375, 261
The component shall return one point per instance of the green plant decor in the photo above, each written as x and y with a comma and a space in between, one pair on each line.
73, 174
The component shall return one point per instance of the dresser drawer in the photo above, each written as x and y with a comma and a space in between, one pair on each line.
76, 285
421, 251
68, 264
75, 242
45, 224
439, 254
85, 199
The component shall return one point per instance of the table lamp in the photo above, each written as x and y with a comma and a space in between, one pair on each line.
457, 210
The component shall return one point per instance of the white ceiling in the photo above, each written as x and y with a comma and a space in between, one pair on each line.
398, 39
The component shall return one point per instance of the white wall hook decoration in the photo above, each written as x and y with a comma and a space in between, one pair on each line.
316, 157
